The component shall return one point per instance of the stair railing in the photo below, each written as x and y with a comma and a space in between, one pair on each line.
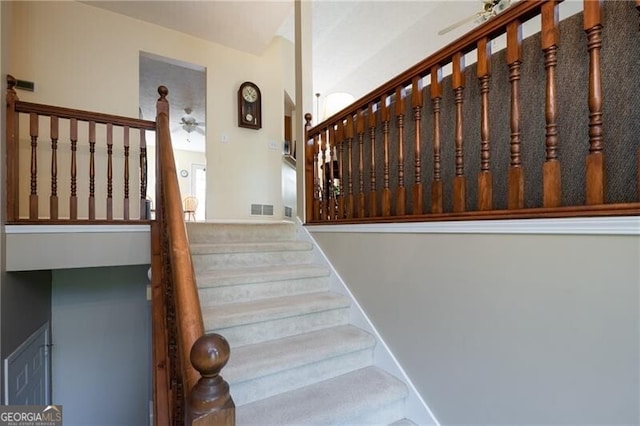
470, 145
188, 387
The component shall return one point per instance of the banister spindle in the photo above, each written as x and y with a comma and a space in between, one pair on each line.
143, 175
485, 181
33, 197
317, 189
514, 58
436, 97
595, 158
416, 103
459, 181
125, 207
340, 136
373, 194
401, 201
109, 171
73, 199
361, 197
53, 199
551, 177
386, 191
333, 192
309, 170
349, 136
323, 189
92, 170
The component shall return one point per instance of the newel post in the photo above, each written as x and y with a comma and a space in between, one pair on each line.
209, 400
308, 170
13, 160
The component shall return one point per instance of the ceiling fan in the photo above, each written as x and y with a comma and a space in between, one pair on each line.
189, 124
490, 8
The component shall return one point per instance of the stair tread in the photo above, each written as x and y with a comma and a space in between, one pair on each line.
222, 277
232, 314
250, 247
261, 359
331, 401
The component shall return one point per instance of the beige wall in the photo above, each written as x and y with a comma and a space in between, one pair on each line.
505, 329
87, 58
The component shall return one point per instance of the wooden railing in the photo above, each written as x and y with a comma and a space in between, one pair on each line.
389, 157
79, 140
188, 388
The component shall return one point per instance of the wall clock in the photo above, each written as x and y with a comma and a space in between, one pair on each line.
249, 106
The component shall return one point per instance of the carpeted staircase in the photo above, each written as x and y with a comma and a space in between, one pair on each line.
295, 359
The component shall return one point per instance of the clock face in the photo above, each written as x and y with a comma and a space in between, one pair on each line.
249, 94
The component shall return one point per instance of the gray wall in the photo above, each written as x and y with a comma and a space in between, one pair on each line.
101, 354
505, 329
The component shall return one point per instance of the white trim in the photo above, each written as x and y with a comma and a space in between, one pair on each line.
74, 229
622, 225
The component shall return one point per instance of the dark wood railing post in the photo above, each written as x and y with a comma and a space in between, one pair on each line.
12, 152
309, 162
373, 191
73, 199
340, 135
349, 136
143, 176
514, 58
333, 189
125, 207
361, 197
209, 401
317, 189
551, 178
386, 190
459, 181
595, 158
92, 170
416, 103
109, 171
436, 97
323, 190
53, 199
401, 197
485, 180
33, 197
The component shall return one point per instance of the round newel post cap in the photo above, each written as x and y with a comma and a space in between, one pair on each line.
11, 81
163, 92
308, 117
210, 354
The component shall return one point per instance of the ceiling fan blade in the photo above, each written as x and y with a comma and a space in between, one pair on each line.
201, 131
459, 23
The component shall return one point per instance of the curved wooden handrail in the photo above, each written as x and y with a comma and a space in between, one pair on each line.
206, 394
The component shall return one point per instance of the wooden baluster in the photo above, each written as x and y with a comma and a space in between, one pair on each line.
373, 194
109, 171
551, 177
92, 170
485, 184
210, 402
33, 197
12, 152
53, 200
309, 165
361, 197
436, 97
595, 159
349, 136
323, 190
459, 181
333, 206
73, 199
317, 191
340, 135
401, 202
386, 191
416, 103
143, 176
514, 57
125, 212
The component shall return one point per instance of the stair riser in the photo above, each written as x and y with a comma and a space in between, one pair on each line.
275, 329
222, 233
384, 415
263, 387
204, 262
213, 296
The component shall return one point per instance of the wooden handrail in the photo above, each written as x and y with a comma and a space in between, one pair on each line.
465, 144
201, 395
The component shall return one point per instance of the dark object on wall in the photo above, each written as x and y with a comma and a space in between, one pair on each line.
249, 106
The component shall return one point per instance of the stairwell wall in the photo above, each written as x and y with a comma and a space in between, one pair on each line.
504, 329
